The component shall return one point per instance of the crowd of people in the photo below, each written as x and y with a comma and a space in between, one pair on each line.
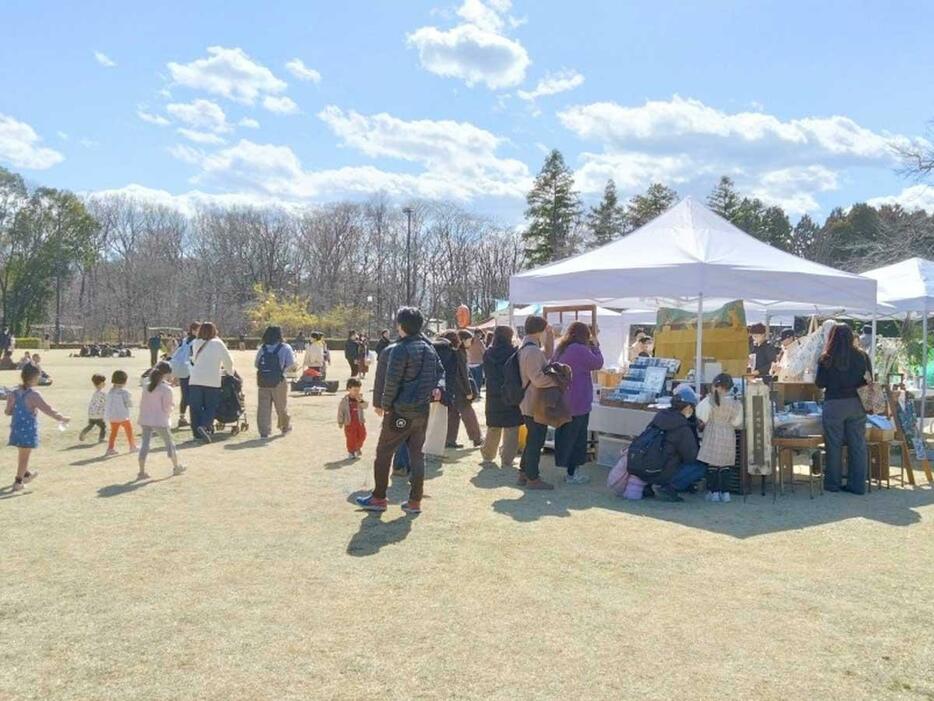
529, 387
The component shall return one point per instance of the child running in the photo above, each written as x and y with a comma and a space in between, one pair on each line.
96, 409
24, 428
117, 412
722, 415
351, 418
155, 416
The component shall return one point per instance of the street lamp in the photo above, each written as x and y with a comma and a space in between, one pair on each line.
408, 257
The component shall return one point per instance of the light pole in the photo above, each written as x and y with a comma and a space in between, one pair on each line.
408, 257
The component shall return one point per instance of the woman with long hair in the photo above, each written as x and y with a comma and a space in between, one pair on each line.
502, 420
842, 369
580, 351
274, 358
209, 355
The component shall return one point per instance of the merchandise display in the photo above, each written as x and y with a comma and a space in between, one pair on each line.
644, 381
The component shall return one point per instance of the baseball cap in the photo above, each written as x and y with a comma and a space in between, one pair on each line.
685, 394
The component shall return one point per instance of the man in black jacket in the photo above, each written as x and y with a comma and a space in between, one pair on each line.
383, 343
408, 377
352, 352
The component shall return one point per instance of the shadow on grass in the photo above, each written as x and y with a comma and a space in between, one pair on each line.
82, 446
491, 476
376, 532
114, 490
8, 493
253, 443
755, 516
338, 464
92, 461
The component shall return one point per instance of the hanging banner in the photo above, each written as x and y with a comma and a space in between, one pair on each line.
758, 417
725, 337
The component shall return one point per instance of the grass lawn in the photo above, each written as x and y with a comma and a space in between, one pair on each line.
252, 577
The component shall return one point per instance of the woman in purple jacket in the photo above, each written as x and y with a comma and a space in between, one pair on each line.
580, 351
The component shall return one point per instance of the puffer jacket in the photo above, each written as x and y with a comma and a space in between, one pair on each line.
498, 413
681, 444
551, 406
456, 380
407, 373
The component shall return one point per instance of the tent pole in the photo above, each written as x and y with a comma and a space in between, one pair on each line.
872, 350
511, 317
699, 349
924, 366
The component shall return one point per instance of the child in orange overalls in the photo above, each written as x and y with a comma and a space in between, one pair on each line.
351, 417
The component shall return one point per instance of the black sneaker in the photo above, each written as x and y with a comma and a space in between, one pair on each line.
456, 446
204, 434
668, 494
648, 492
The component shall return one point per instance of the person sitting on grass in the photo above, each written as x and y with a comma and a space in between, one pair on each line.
22, 404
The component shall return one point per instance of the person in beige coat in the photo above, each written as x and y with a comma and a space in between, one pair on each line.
532, 363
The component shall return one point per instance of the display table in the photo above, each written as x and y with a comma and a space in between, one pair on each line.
619, 421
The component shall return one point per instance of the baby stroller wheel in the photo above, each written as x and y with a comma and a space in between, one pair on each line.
245, 426
235, 429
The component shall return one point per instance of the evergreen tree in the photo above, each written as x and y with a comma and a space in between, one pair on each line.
553, 214
607, 221
644, 208
804, 238
724, 199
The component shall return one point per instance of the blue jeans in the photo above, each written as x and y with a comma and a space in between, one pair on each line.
688, 474
476, 372
203, 402
845, 424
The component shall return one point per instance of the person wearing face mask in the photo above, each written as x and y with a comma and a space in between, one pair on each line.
680, 467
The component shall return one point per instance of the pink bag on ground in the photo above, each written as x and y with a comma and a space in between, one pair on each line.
634, 488
619, 476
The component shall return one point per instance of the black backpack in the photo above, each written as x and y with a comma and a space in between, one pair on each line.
647, 454
269, 369
513, 389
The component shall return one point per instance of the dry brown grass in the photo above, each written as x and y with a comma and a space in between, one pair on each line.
251, 577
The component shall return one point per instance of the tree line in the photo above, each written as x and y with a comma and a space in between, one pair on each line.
855, 239
114, 267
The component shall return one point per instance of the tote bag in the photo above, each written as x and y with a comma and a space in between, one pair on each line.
436, 431
872, 396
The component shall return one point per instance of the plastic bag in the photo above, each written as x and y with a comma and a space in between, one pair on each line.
619, 476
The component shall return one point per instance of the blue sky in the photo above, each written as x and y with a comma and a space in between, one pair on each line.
801, 103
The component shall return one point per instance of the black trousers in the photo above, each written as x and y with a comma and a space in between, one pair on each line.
99, 423
534, 443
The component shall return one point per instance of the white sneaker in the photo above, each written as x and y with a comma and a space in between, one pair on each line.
351, 456
713, 496
725, 497
577, 478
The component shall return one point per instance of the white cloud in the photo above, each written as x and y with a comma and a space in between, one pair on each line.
230, 73
104, 59
458, 160
89, 143
552, 84
62, 135
298, 68
911, 198
20, 146
475, 51
280, 105
249, 123
201, 137
187, 203
684, 141
156, 119
200, 114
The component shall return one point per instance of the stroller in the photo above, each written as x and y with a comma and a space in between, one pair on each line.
232, 408
313, 383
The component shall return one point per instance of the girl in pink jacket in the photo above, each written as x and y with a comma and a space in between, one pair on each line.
155, 416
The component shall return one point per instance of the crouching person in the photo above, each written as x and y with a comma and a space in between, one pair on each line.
665, 455
408, 376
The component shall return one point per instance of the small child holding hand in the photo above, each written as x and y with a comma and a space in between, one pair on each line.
351, 418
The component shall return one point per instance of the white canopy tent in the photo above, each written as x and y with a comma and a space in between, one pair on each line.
908, 287
687, 254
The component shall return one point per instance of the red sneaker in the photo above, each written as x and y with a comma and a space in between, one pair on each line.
412, 507
371, 503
